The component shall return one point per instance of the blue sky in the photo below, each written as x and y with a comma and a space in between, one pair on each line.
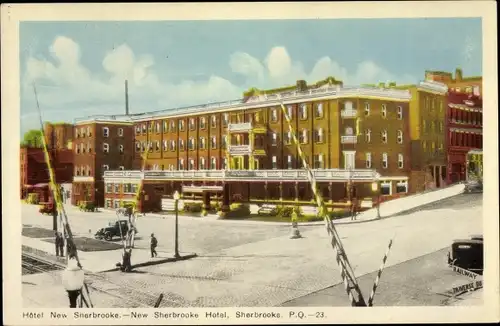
79, 67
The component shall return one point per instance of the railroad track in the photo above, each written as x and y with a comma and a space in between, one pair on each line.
130, 296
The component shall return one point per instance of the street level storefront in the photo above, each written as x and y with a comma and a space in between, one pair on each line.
337, 186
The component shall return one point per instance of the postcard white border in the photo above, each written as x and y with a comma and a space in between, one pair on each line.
13, 14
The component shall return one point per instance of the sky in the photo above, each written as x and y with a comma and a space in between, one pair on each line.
79, 68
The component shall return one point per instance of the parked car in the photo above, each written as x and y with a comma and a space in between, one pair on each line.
113, 230
467, 254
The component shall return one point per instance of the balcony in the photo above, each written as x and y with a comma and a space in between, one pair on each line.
240, 127
348, 139
348, 114
240, 150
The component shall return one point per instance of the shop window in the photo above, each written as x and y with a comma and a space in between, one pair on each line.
401, 186
386, 188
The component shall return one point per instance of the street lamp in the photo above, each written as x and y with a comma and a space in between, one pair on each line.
376, 190
72, 279
176, 198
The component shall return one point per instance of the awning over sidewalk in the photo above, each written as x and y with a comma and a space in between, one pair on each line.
201, 189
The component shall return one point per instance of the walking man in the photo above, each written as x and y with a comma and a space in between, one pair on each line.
154, 244
59, 242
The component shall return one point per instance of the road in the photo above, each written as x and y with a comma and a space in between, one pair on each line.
258, 265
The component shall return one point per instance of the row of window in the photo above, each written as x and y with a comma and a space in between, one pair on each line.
430, 104
466, 117
86, 170
170, 126
466, 139
432, 146
469, 90
87, 132
81, 148
110, 203
432, 126
126, 188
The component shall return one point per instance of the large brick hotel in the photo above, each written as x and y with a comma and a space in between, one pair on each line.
242, 150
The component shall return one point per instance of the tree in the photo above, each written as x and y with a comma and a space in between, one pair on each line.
32, 138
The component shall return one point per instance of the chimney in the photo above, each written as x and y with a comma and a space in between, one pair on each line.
126, 97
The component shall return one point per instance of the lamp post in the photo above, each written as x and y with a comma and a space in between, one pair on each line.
176, 199
72, 279
376, 190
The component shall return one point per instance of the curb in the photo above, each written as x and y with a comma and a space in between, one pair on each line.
155, 262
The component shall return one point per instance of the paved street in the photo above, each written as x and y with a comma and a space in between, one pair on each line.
258, 265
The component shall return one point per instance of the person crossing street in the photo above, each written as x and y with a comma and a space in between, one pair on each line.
154, 244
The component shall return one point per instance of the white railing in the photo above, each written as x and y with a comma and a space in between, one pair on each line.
240, 150
348, 113
240, 127
348, 139
83, 179
241, 175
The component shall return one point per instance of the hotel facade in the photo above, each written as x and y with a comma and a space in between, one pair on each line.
242, 151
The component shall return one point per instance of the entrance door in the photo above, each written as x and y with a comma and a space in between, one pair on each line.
349, 160
256, 163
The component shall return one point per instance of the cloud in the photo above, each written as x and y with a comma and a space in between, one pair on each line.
279, 69
67, 89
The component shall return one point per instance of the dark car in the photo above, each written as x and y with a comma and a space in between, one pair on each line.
467, 254
113, 230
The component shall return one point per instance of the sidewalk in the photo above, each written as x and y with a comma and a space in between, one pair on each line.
101, 261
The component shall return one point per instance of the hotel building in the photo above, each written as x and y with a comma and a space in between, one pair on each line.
242, 150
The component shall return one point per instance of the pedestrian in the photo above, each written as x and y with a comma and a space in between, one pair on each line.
68, 195
59, 242
154, 244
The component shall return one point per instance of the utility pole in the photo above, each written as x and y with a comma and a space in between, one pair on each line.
126, 98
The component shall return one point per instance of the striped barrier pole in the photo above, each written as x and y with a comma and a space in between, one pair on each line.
379, 273
346, 272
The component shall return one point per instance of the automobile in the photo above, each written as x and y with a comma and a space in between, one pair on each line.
473, 186
113, 230
467, 254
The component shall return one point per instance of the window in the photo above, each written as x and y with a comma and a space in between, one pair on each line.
213, 142
203, 123
424, 146
120, 149
384, 111
170, 167
105, 167
433, 147
318, 110
303, 136
202, 142
424, 125
385, 162
348, 131
441, 148
82, 149
172, 126
386, 188
318, 135
165, 126
368, 160
288, 138
368, 135
89, 148
274, 163
150, 146
88, 170
384, 136
400, 136
157, 145
433, 126
157, 127
202, 163
127, 188
225, 119
401, 186
105, 132
290, 112
144, 128
367, 109
89, 132
121, 168
191, 164
117, 191
77, 133
274, 139
400, 161
224, 163
303, 112
348, 106
400, 112
181, 144
274, 115
440, 126
144, 145
83, 132
105, 148
181, 164
289, 162
77, 171
150, 127
181, 125
109, 187
213, 121
172, 145
476, 91
213, 163
165, 145
191, 144
318, 161
192, 124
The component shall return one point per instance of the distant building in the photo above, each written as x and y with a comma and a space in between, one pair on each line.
460, 84
99, 144
464, 132
59, 135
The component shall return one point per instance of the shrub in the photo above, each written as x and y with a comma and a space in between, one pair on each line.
192, 207
33, 198
215, 206
286, 211
239, 210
